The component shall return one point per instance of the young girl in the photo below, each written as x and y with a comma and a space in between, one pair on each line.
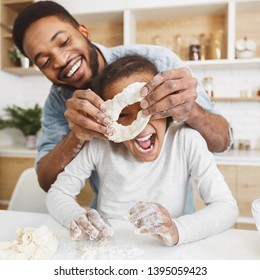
146, 177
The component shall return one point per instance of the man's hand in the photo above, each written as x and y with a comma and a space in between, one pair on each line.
173, 94
86, 117
90, 226
154, 219
170, 94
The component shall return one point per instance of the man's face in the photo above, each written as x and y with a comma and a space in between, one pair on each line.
62, 52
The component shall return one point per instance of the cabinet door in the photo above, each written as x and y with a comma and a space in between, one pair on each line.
248, 187
9, 11
105, 28
161, 25
247, 23
86, 195
229, 173
10, 170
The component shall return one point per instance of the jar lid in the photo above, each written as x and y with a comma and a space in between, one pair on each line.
245, 44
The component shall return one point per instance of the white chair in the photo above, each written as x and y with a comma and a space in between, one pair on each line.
28, 195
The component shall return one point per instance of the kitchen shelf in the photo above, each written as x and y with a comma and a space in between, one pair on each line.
127, 22
7, 36
20, 71
248, 21
106, 29
15, 5
169, 21
224, 63
236, 99
9, 11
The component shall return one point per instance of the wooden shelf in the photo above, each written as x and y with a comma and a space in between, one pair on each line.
19, 71
7, 36
128, 22
236, 99
16, 5
224, 63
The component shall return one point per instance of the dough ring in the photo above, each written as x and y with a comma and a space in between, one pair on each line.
129, 95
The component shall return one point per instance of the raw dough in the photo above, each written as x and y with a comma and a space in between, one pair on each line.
31, 244
129, 95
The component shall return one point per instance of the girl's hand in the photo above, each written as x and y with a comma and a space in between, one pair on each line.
90, 226
152, 218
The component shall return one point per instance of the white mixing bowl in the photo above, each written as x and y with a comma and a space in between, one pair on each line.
255, 208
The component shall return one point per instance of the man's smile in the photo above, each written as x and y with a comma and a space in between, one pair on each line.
74, 69
69, 72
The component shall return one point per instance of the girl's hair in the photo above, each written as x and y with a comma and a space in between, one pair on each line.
122, 68
34, 12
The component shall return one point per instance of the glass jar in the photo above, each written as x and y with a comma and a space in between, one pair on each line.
209, 86
216, 44
194, 49
203, 47
157, 40
177, 44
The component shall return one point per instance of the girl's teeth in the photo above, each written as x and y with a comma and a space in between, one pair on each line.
143, 138
144, 144
143, 150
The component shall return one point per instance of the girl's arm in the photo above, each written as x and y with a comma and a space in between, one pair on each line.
221, 209
61, 198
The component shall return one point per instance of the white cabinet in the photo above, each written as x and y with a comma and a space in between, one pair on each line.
118, 22
145, 20
241, 170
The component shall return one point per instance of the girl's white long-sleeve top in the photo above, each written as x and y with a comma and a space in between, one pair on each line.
124, 180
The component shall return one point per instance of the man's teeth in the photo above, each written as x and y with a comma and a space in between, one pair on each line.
74, 69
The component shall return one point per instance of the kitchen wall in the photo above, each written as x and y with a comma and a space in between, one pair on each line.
243, 116
24, 92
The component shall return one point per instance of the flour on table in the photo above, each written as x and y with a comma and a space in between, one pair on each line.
31, 244
96, 250
107, 251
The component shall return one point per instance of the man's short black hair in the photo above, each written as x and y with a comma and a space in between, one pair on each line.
34, 12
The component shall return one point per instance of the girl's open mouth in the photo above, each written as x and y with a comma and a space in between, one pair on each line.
145, 144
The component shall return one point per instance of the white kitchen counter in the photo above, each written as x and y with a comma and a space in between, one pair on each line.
17, 151
232, 157
232, 244
239, 157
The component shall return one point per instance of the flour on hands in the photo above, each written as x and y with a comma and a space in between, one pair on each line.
90, 226
153, 219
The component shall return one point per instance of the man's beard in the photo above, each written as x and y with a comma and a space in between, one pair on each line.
93, 63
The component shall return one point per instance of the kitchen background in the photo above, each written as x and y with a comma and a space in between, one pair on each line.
243, 116
164, 23
218, 39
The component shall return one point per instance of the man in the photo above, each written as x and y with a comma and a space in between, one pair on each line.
61, 48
